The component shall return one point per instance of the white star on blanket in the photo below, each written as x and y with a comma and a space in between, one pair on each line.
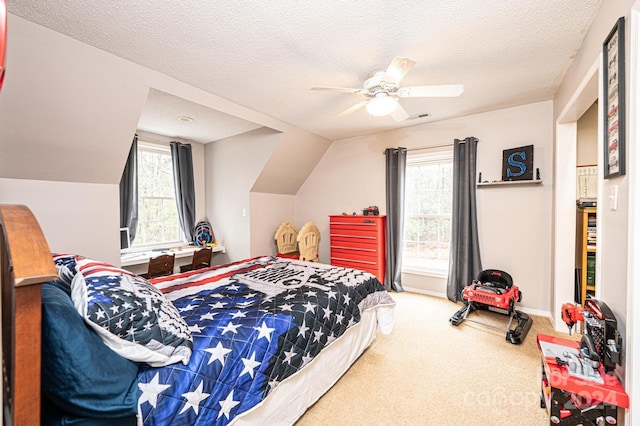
208, 316
264, 331
250, 365
151, 390
226, 405
288, 356
302, 330
217, 353
193, 399
230, 327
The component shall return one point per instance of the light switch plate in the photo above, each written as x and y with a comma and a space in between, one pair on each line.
613, 197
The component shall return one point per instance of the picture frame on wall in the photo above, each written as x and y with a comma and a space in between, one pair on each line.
613, 101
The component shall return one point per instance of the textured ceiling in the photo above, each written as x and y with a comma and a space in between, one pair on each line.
267, 54
161, 112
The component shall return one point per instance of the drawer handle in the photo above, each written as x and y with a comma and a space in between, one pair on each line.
352, 236
353, 260
354, 223
354, 248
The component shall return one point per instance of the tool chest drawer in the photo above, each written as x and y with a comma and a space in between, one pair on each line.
358, 242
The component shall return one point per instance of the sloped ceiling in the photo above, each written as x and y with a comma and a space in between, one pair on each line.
66, 111
267, 55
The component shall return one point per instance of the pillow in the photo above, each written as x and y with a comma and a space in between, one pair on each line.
66, 266
81, 375
132, 316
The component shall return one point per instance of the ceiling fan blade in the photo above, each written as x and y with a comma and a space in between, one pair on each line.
338, 89
351, 109
396, 71
399, 113
437, 91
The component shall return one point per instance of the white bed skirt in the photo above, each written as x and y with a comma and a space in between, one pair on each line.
291, 398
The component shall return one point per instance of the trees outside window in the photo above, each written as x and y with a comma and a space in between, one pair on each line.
157, 212
427, 221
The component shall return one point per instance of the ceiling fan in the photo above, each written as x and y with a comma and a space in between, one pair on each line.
382, 91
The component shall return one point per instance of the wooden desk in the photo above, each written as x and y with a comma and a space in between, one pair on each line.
133, 260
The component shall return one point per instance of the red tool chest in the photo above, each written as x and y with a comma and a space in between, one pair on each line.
358, 242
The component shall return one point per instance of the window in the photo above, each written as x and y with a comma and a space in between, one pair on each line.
427, 216
158, 222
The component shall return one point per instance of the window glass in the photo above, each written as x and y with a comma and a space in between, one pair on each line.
427, 220
157, 211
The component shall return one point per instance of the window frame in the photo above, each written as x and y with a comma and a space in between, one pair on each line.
164, 150
433, 157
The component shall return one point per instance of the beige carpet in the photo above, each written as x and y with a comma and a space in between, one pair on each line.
428, 372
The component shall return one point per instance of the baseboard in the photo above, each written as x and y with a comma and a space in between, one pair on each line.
427, 292
535, 312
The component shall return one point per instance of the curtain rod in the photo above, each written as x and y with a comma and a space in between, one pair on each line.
430, 147
152, 140
444, 145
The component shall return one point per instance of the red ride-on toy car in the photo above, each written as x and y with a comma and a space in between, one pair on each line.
494, 291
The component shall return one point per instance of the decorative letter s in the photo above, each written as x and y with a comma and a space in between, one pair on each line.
519, 164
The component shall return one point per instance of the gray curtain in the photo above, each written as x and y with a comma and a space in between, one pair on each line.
129, 192
183, 183
464, 254
396, 162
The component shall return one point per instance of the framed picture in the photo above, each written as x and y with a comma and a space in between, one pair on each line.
613, 102
517, 163
587, 182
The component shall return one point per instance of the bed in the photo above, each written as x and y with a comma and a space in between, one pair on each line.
251, 342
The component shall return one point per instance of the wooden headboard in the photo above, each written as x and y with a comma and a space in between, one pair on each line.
26, 264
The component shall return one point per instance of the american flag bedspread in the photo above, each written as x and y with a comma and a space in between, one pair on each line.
254, 323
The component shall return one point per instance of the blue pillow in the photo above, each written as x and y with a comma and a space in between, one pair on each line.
80, 374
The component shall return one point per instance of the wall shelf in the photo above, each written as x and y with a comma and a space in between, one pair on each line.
510, 182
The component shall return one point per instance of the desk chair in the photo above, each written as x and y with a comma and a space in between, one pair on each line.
308, 241
201, 259
160, 266
286, 240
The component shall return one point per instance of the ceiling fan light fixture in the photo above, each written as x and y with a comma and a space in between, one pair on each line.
381, 105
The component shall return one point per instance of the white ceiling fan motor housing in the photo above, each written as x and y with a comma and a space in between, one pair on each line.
374, 84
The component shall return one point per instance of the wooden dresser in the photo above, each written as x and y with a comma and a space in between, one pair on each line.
359, 242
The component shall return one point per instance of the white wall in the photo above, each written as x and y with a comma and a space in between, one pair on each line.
268, 211
233, 165
514, 221
612, 279
614, 225
75, 218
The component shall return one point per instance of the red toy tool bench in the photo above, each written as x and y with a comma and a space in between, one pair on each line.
578, 382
